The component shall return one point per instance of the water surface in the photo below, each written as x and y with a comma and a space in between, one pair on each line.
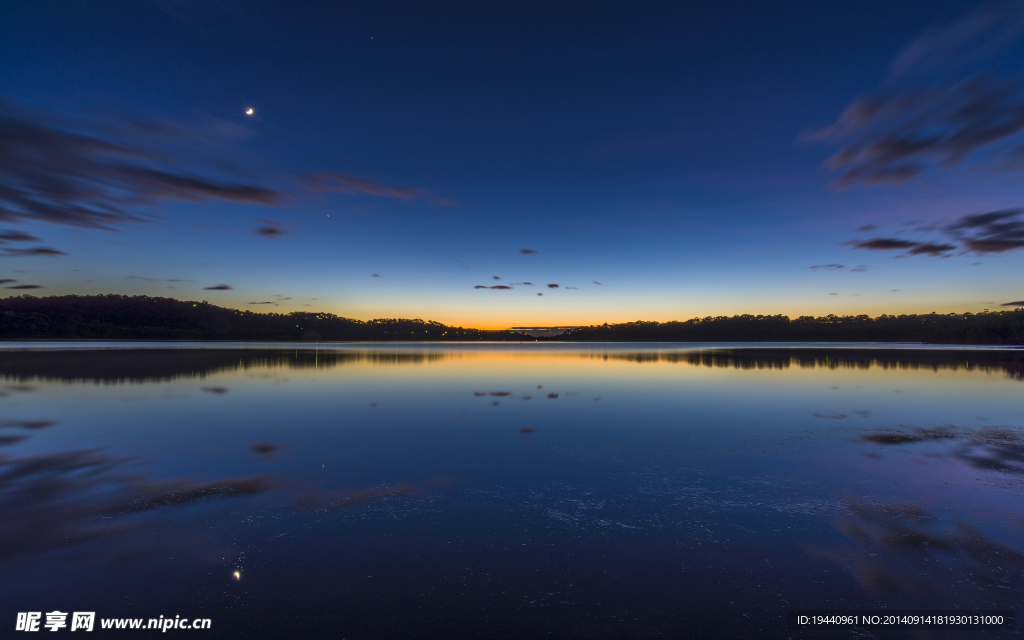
508, 491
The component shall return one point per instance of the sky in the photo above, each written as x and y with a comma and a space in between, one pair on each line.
519, 163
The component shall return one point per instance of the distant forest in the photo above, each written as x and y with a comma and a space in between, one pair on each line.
116, 317
996, 328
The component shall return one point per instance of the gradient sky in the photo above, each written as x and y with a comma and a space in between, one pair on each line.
694, 158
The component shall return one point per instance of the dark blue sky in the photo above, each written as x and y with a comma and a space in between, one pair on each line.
672, 152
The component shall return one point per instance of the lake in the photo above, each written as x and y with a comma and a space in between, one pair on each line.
509, 490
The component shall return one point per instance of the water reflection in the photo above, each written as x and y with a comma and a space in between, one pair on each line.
989, 448
164, 364
63, 499
1010, 362
708, 491
908, 553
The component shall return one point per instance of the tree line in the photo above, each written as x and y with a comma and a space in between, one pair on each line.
117, 317
995, 328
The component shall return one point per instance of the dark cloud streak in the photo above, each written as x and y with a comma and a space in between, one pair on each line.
99, 174
34, 251
942, 107
353, 185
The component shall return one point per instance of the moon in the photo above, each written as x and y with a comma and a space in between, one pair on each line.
249, 111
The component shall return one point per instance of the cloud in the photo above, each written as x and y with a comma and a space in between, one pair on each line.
868, 227
944, 104
374, 275
353, 185
495, 278
27, 286
552, 286
108, 171
271, 229
527, 252
99, 173
480, 286
265, 302
17, 236
499, 286
884, 244
992, 232
540, 294
572, 287
29, 424
596, 282
1018, 303
828, 267
895, 244
860, 268
6, 280
932, 249
979, 35
219, 287
34, 251
155, 279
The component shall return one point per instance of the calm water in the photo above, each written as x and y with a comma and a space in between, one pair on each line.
512, 491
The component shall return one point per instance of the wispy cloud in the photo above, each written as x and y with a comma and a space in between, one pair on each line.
104, 172
34, 251
932, 249
942, 106
884, 244
910, 246
219, 287
978, 233
17, 236
99, 173
527, 252
1018, 303
272, 229
992, 232
354, 185
827, 267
